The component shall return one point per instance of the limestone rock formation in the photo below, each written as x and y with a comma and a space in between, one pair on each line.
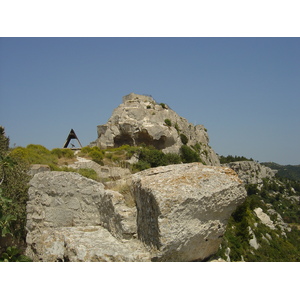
251, 172
140, 120
84, 244
62, 200
102, 171
37, 168
183, 209
181, 215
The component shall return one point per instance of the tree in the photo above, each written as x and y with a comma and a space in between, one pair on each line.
13, 191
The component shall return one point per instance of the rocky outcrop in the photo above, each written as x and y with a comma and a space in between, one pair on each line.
37, 168
84, 244
251, 172
106, 172
183, 209
140, 120
59, 200
181, 215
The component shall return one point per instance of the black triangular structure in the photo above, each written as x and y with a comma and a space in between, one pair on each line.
72, 135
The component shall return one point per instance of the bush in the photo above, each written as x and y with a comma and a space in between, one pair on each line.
150, 157
34, 154
13, 197
251, 189
88, 173
188, 155
141, 165
14, 254
184, 139
168, 122
172, 158
66, 153
96, 155
230, 158
153, 156
85, 150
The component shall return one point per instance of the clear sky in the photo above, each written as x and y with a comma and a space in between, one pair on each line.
245, 91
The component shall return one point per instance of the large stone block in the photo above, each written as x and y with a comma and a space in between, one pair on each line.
182, 210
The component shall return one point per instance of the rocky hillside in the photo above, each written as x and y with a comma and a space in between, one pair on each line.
251, 172
285, 171
150, 189
266, 226
140, 120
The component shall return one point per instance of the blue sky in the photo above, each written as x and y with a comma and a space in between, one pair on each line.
245, 91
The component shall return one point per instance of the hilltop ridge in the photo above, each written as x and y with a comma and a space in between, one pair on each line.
140, 120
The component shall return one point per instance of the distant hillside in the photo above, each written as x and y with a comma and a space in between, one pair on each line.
289, 171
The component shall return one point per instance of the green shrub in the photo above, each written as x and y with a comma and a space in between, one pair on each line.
66, 153
85, 150
168, 122
34, 154
184, 139
177, 127
14, 254
141, 165
96, 155
88, 173
13, 193
188, 155
4, 141
251, 189
163, 105
230, 158
153, 156
172, 158
131, 150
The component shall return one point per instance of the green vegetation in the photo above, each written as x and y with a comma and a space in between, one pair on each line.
288, 171
168, 122
35, 154
14, 254
274, 246
197, 147
230, 158
13, 197
184, 139
177, 128
163, 105
94, 153
149, 157
188, 155
67, 153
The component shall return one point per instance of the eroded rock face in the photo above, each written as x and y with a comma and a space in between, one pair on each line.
183, 209
102, 171
251, 172
181, 215
85, 244
140, 120
68, 200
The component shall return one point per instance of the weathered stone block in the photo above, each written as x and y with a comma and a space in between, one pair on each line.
182, 210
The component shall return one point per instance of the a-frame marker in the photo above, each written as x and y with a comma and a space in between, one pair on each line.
72, 135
